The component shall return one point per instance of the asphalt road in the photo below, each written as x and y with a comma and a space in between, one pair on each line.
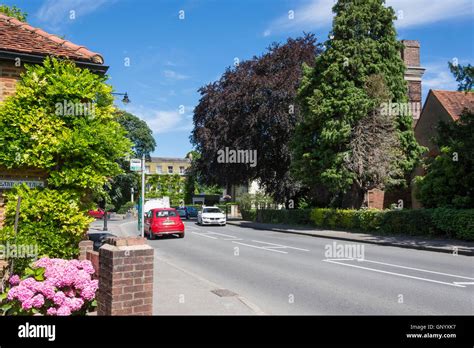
293, 274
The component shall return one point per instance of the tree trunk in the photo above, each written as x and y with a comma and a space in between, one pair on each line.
354, 198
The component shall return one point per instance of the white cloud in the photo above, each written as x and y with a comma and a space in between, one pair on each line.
318, 14
164, 121
55, 13
438, 76
173, 75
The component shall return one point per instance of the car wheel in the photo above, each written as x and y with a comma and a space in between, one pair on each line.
151, 235
181, 235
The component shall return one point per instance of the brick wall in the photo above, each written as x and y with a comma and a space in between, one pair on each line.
9, 75
125, 277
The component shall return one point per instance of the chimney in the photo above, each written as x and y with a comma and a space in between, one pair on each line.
413, 75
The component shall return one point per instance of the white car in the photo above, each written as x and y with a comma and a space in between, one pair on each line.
211, 216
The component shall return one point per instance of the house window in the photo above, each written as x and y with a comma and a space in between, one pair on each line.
159, 170
147, 169
170, 169
181, 170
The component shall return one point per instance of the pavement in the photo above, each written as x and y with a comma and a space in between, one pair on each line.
411, 242
259, 271
179, 291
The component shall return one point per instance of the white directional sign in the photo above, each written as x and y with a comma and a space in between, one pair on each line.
135, 164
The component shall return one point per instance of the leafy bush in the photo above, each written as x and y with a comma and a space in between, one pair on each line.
285, 216
367, 219
454, 222
51, 287
410, 222
249, 215
126, 207
50, 219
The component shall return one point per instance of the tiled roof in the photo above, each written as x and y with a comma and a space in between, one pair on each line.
17, 36
455, 102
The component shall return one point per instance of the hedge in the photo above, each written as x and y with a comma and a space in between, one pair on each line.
290, 216
453, 223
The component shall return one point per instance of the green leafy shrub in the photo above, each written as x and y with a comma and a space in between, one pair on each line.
51, 220
458, 223
285, 216
408, 222
249, 215
125, 207
367, 219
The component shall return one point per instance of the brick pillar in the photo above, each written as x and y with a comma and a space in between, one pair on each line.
125, 277
375, 199
84, 247
413, 75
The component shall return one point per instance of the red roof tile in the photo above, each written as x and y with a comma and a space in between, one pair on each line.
17, 36
455, 102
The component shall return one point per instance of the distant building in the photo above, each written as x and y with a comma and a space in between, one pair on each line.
167, 166
440, 106
166, 177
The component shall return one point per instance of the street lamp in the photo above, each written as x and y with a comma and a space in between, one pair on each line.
125, 99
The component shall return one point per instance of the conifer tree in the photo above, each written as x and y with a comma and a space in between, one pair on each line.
363, 43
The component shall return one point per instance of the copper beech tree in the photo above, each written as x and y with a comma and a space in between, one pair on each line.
252, 107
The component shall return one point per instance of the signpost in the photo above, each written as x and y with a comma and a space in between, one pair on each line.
137, 165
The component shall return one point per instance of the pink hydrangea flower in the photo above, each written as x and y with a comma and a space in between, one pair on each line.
51, 311
87, 266
14, 280
68, 284
63, 311
37, 301
59, 298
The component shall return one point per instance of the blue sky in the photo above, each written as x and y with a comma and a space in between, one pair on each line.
170, 58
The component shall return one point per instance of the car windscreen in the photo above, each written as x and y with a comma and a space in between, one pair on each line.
165, 213
211, 210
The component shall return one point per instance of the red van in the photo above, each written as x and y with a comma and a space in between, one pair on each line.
161, 221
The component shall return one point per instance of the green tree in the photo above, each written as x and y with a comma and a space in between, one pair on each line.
464, 75
139, 133
144, 143
449, 179
334, 99
14, 12
61, 120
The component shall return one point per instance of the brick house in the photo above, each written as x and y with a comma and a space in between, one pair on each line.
20, 44
440, 106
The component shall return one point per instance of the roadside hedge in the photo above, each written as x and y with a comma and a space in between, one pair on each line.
285, 216
452, 223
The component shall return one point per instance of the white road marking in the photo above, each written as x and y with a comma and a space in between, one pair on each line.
261, 248
229, 237
464, 283
421, 270
393, 273
279, 245
204, 235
